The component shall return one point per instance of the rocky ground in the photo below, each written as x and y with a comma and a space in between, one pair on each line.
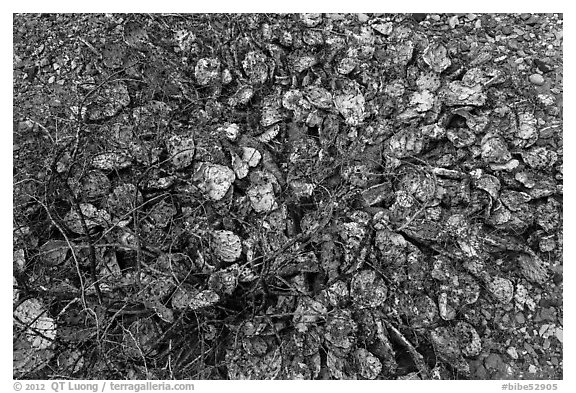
315, 196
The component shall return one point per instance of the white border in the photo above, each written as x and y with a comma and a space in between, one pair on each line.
306, 6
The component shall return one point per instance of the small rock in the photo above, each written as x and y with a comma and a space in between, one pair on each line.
513, 44
557, 278
554, 361
543, 330
419, 17
512, 352
559, 334
453, 21
507, 30
536, 79
542, 66
230, 130
251, 156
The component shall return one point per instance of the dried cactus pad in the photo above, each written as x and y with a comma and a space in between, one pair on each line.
207, 71
39, 327
261, 192
436, 56
502, 289
368, 290
533, 268
470, 342
92, 216
226, 245
350, 102
109, 101
54, 252
111, 161
255, 66
181, 149
187, 296
94, 185
123, 199
215, 179
140, 338
446, 347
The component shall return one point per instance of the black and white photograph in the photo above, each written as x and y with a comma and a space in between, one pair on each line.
287, 196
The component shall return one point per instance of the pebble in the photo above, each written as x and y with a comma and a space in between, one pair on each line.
548, 314
512, 352
536, 79
520, 318
477, 367
542, 66
532, 369
543, 329
559, 35
507, 30
493, 361
560, 334
557, 278
513, 44
44, 62
530, 350
419, 17
362, 18
544, 302
554, 361
336, 16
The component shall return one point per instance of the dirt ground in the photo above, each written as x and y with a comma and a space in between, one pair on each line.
294, 196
